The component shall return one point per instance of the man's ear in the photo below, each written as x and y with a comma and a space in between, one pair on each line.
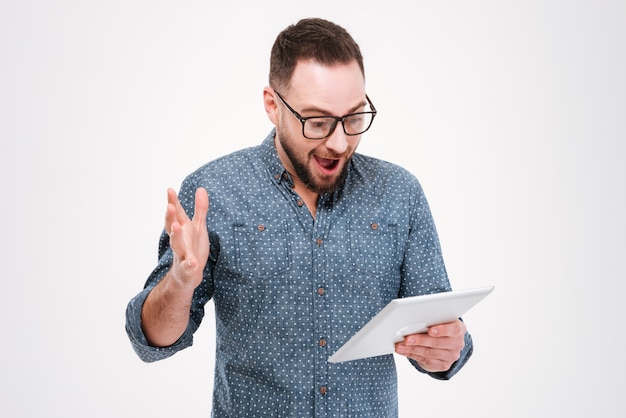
270, 101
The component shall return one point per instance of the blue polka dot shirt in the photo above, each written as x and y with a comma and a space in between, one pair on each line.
290, 289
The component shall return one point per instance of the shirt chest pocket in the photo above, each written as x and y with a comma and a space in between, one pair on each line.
374, 247
262, 249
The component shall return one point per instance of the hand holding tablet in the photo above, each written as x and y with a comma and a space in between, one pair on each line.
407, 316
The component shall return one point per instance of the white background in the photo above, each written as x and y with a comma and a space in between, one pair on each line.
511, 113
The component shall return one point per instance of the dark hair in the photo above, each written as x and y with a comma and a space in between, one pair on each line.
311, 39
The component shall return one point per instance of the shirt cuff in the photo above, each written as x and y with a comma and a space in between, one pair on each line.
138, 340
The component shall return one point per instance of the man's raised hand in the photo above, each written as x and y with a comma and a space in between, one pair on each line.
189, 238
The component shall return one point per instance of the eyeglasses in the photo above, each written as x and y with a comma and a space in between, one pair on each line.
320, 127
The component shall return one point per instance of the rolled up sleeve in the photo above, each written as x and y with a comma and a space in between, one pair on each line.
138, 340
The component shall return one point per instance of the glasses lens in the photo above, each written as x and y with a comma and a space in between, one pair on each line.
357, 123
318, 127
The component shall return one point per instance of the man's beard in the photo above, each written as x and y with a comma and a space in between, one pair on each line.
305, 174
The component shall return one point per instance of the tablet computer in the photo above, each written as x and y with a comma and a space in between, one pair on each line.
404, 316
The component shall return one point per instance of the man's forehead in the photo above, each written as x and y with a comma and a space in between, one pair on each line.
313, 82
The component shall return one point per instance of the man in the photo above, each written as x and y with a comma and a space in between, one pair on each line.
305, 240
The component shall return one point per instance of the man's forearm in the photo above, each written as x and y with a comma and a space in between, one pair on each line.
165, 313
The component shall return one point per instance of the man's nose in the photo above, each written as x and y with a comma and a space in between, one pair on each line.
338, 140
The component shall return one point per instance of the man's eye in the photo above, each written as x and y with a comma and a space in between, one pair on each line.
319, 123
355, 121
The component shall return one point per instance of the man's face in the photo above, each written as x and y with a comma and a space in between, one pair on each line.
316, 90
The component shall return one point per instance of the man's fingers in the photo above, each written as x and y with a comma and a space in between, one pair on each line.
451, 329
187, 237
177, 241
172, 199
201, 207
175, 216
176, 212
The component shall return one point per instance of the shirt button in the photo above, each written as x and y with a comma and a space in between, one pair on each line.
276, 176
300, 202
320, 291
374, 226
323, 390
318, 241
322, 342
261, 227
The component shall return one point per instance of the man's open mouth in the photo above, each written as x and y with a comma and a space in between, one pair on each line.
327, 163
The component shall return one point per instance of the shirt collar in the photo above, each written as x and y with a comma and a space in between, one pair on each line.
272, 162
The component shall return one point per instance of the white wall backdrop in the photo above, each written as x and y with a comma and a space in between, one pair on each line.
511, 113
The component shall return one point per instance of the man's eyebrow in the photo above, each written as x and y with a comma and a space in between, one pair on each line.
323, 112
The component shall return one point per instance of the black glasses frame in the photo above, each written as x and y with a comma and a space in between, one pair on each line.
337, 119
